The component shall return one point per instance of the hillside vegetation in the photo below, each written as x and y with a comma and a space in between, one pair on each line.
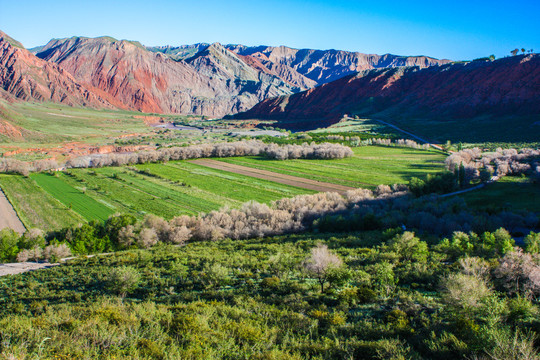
369, 295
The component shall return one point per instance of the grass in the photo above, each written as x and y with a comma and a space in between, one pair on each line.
36, 207
73, 198
369, 167
183, 188
236, 187
513, 193
477, 130
49, 123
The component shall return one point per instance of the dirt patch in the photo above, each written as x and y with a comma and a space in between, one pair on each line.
18, 268
10, 131
68, 116
8, 216
272, 176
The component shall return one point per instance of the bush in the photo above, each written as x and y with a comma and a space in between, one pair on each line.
123, 280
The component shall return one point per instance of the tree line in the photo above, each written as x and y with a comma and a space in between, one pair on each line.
219, 150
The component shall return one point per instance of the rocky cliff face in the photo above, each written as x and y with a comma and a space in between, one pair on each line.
306, 68
24, 76
323, 66
214, 82
508, 86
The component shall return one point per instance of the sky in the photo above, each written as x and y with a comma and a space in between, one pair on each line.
456, 30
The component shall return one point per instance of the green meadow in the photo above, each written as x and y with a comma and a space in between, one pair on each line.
179, 187
370, 166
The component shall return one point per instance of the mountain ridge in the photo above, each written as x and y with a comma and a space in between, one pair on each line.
504, 87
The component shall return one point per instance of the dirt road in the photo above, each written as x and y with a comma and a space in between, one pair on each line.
272, 176
8, 216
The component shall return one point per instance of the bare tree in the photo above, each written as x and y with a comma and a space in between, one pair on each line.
520, 273
56, 252
320, 262
147, 238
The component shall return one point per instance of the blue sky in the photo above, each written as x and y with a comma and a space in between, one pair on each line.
456, 29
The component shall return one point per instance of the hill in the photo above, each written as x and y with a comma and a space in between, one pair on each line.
463, 94
306, 68
26, 77
214, 82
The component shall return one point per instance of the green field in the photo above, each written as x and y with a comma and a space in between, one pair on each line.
50, 130
369, 167
36, 207
167, 190
513, 193
180, 187
72, 197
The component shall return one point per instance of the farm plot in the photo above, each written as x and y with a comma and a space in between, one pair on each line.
74, 198
273, 176
36, 207
180, 187
369, 167
234, 188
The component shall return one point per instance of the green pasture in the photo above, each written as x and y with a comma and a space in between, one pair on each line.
369, 167
513, 193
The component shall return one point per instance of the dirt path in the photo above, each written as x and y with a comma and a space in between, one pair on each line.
22, 267
8, 216
272, 176
18, 268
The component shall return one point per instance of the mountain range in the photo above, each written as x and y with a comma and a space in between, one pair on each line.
202, 79
301, 89
505, 87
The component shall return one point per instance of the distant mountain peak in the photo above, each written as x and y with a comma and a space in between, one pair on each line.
10, 40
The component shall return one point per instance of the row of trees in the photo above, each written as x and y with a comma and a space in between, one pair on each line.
360, 209
399, 142
477, 164
232, 149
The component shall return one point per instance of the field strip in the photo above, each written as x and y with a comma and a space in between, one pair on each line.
272, 176
298, 170
8, 216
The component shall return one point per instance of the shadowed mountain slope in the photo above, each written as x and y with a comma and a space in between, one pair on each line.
508, 87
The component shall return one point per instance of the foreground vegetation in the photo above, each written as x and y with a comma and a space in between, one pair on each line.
368, 295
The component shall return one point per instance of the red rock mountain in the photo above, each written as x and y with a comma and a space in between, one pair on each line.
24, 76
201, 79
505, 87
213, 82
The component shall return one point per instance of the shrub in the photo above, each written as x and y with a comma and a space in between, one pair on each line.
123, 280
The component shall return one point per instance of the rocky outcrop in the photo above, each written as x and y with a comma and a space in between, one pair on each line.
26, 77
214, 82
504, 87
